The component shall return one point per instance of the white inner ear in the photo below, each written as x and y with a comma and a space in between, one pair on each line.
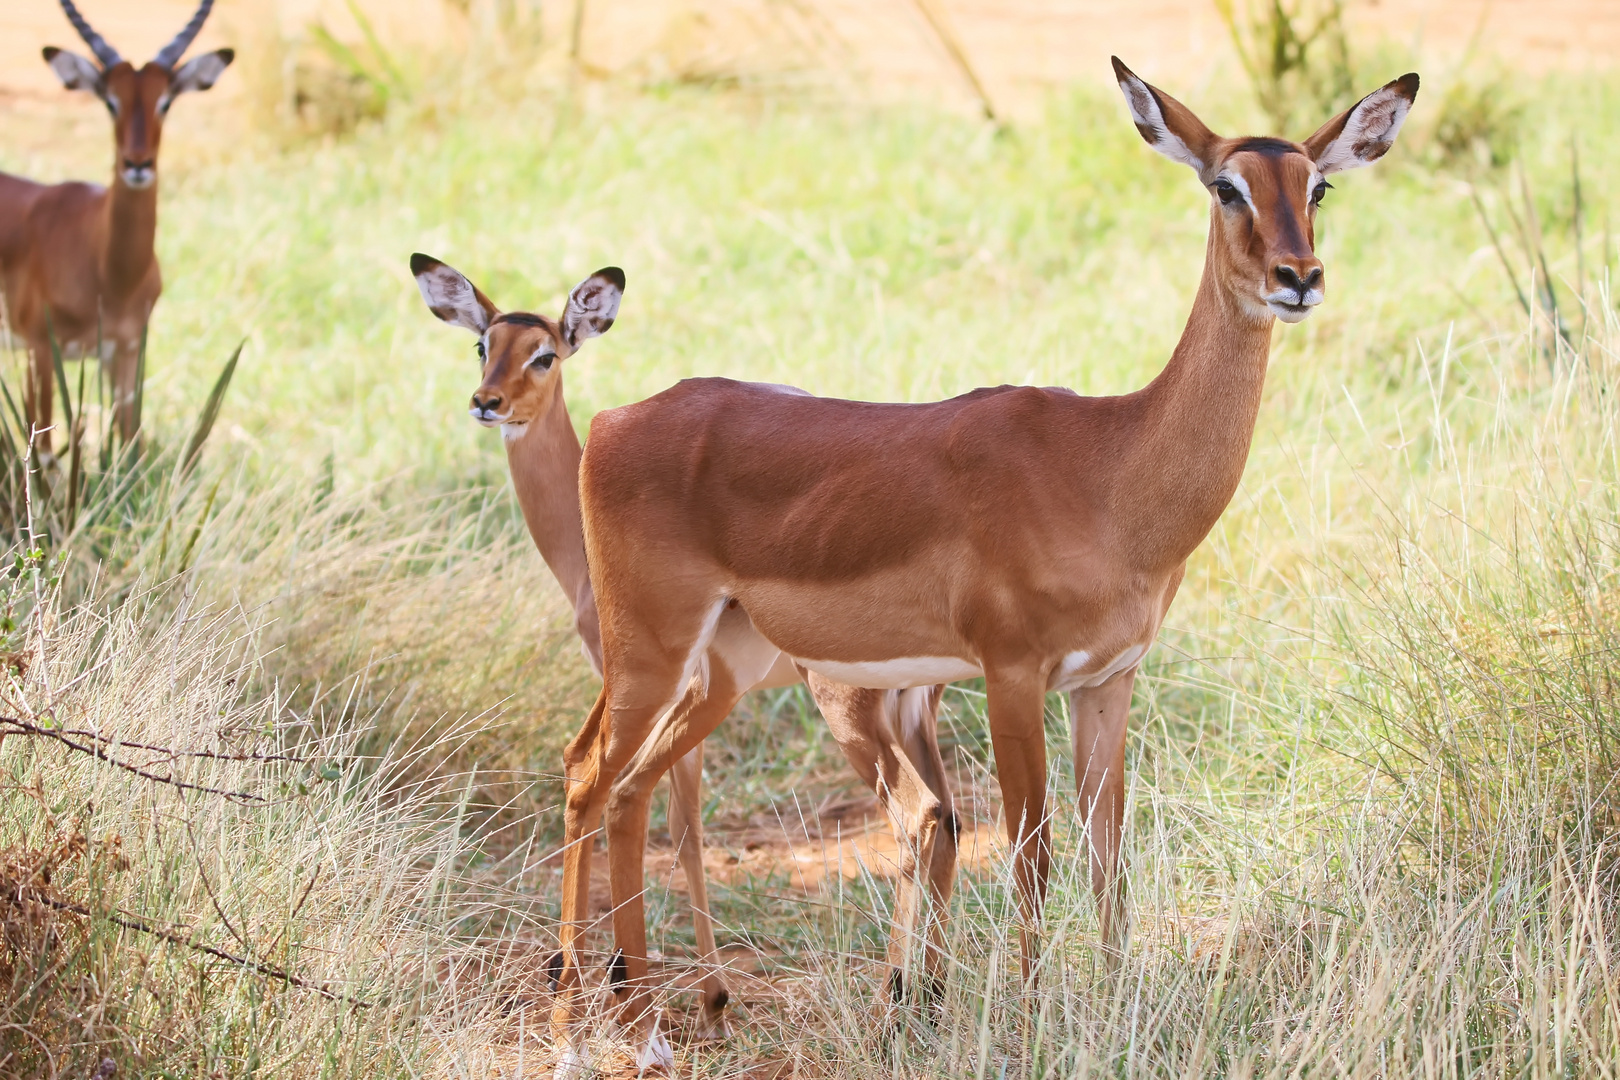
592, 305
200, 74
1146, 113
1368, 133
451, 297
75, 71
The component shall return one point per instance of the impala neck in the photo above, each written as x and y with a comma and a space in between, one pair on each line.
131, 231
545, 474
1198, 420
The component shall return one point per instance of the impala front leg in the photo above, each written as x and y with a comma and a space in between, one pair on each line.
1017, 702
1098, 716
126, 377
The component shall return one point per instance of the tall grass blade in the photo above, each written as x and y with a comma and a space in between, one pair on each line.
210, 413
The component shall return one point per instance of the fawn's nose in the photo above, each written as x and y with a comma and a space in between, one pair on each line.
486, 406
1299, 275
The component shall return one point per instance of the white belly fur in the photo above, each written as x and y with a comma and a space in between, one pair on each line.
900, 674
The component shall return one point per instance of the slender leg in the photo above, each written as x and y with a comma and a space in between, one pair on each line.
866, 724
919, 729
686, 830
737, 659
581, 811
37, 401
1099, 716
1018, 737
126, 359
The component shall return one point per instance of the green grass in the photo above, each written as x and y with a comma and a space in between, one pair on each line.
1372, 819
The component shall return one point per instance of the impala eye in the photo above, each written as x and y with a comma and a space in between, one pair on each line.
1228, 191
543, 361
482, 355
1319, 192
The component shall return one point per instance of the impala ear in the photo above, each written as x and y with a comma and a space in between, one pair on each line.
1364, 132
593, 305
201, 72
451, 296
76, 72
1165, 123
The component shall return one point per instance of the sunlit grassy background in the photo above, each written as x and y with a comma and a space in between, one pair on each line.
1373, 816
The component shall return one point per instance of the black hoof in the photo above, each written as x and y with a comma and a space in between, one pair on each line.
554, 967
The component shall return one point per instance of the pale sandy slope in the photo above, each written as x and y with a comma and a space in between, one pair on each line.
1022, 47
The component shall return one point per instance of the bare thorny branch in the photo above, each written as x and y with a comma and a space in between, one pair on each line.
24, 727
258, 967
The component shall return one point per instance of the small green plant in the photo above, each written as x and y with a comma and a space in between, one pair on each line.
93, 496
1296, 54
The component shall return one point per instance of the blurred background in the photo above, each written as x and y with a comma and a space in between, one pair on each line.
1373, 756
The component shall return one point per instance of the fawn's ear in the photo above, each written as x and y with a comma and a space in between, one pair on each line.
451, 296
1364, 132
1166, 124
201, 73
76, 72
593, 305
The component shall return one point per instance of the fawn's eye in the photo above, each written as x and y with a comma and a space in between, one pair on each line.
543, 361
1319, 192
482, 356
1228, 192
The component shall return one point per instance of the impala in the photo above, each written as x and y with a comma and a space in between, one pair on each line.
1026, 535
888, 736
77, 258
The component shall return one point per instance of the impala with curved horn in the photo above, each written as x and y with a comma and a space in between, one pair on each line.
77, 259
1027, 535
889, 736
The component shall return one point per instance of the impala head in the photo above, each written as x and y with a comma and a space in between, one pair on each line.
520, 354
137, 98
1264, 192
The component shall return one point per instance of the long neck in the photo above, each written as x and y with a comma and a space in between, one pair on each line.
545, 474
131, 230
1196, 423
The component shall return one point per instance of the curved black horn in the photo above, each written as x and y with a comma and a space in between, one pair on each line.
174, 50
104, 52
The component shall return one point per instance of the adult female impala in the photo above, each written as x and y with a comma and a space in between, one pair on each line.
1029, 535
76, 259
889, 736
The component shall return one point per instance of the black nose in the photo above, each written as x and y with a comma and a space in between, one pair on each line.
1290, 279
486, 404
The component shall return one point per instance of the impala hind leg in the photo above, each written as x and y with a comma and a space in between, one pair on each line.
686, 831
1098, 716
737, 659
1017, 703
582, 809
868, 727
919, 731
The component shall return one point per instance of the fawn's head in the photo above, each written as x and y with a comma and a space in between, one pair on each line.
519, 353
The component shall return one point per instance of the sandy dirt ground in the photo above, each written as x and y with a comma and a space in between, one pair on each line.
1020, 48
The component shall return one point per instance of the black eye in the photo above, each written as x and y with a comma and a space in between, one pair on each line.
1320, 192
1228, 192
543, 361
481, 354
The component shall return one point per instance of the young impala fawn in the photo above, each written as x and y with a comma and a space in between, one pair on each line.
889, 736
1029, 536
77, 259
